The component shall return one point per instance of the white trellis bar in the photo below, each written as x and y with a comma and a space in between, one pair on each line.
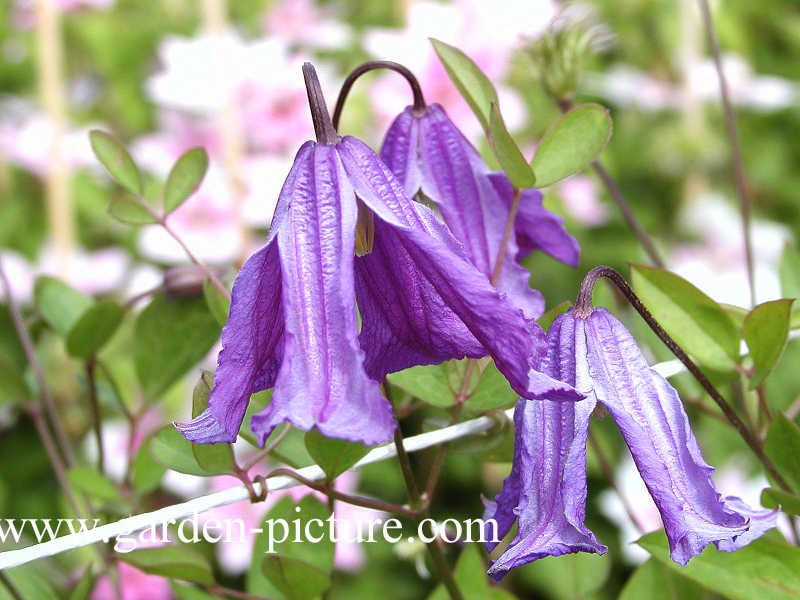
129, 525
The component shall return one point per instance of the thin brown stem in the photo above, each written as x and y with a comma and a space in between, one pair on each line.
327, 489
736, 150
268, 448
765, 413
62, 442
416, 90
583, 308
208, 272
508, 232
220, 590
134, 300
10, 588
94, 403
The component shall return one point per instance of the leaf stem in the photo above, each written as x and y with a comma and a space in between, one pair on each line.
97, 424
13, 591
736, 151
583, 307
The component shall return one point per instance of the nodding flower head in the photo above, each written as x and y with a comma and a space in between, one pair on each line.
431, 157
293, 323
546, 490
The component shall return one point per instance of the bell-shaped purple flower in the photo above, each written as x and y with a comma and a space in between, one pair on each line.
429, 155
600, 358
293, 322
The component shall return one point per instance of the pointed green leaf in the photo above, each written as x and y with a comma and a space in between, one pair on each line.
175, 562
146, 472
334, 456
766, 331
789, 270
116, 160
218, 303
214, 458
185, 177
294, 577
694, 320
571, 143
783, 448
59, 304
170, 449
492, 391
131, 211
654, 581
93, 484
85, 586
768, 568
470, 576
172, 335
470, 81
508, 154
429, 383
94, 328
775, 498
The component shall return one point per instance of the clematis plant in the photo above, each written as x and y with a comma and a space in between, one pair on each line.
545, 492
293, 323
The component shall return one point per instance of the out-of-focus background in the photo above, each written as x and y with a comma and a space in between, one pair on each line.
168, 75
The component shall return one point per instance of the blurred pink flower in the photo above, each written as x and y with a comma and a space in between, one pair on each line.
304, 23
581, 198
235, 556
134, 584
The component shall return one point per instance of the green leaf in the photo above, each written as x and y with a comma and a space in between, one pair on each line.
218, 303
273, 578
766, 331
170, 449
492, 391
654, 581
783, 448
767, 568
469, 80
131, 211
28, 581
176, 562
59, 304
94, 328
185, 592
85, 586
470, 576
567, 577
774, 498
13, 389
294, 577
214, 458
116, 160
429, 383
146, 472
93, 484
571, 143
789, 271
172, 335
185, 177
508, 154
694, 320
334, 456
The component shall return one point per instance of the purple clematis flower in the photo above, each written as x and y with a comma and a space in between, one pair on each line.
293, 322
428, 153
546, 490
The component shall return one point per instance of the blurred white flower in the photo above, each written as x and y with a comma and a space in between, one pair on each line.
25, 10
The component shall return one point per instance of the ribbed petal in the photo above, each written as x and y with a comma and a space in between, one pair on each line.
252, 339
546, 489
455, 177
537, 228
652, 420
322, 382
513, 341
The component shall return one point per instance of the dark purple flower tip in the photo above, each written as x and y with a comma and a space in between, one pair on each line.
651, 418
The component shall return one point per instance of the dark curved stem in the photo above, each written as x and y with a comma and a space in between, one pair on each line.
323, 127
736, 150
416, 90
583, 308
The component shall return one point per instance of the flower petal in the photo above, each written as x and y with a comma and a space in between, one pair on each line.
322, 382
456, 178
548, 477
655, 426
513, 341
536, 227
252, 349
